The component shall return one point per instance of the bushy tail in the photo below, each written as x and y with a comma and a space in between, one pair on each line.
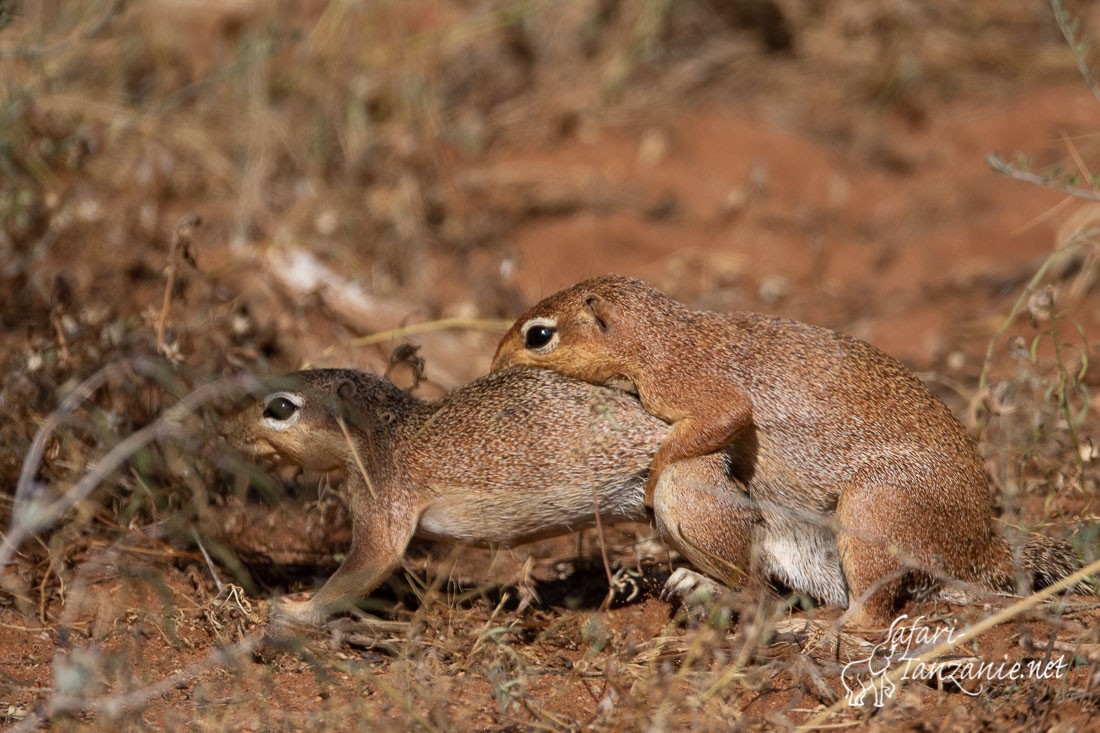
1046, 561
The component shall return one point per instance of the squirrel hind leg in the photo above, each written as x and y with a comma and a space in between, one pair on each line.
902, 528
875, 581
868, 546
707, 517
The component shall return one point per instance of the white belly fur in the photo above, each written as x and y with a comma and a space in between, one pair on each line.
804, 557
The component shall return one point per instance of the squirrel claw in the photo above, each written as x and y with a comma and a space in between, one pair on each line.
690, 588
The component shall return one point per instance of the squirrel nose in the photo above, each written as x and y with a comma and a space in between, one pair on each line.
504, 355
500, 360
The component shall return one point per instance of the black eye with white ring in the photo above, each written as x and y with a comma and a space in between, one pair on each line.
538, 336
280, 408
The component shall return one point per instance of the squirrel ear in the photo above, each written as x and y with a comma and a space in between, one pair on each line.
346, 390
350, 411
605, 313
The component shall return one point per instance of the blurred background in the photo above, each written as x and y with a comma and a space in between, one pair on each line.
361, 166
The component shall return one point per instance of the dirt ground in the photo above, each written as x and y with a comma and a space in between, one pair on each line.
344, 170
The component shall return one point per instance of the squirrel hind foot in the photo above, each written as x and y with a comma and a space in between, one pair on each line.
691, 588
285, 611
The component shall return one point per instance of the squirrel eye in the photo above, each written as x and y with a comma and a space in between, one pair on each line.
280, 408
538, 336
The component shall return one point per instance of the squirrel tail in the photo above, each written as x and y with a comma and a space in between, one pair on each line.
1046, 560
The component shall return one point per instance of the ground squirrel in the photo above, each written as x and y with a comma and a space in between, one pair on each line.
515, 456
849, 458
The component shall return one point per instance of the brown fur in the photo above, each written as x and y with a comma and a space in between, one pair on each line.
817, 423
514, 456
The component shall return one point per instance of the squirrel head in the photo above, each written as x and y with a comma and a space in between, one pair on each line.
308, 418
586, 331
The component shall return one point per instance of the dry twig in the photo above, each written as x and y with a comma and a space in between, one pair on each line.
180, 250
